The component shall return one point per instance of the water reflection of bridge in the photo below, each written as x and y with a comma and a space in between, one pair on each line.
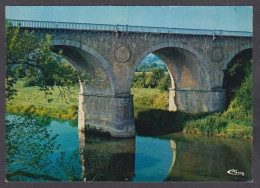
111, 159
107, 159
192, 159
201, 158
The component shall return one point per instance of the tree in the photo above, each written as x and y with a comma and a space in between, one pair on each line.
153, 65
149, 80
27, 56
139, 80
165, 83
158, 74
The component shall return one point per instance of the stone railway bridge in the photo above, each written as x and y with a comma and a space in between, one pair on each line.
196, 60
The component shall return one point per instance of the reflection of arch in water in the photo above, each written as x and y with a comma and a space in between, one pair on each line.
153, 159
173, 148
106, 159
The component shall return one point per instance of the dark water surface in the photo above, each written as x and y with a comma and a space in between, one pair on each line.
51, 150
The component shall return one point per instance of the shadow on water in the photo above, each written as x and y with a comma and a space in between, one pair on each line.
155, 122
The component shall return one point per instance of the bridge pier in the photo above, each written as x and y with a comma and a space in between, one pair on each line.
172, 105
196, 101
111, 114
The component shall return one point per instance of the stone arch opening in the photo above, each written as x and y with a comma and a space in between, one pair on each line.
236, 53
88, 61
153, 75
190, 74
234, 71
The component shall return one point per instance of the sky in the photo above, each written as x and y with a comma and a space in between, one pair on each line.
234, 18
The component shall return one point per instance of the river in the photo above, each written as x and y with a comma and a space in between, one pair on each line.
45, 149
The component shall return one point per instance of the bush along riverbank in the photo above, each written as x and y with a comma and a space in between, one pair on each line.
236, 121
67, 113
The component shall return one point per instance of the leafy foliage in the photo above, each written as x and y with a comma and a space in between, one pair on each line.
241, 106
236, 72
165, 83
236, 121
243, 96
158, 74
28, 146
155, 79
139, 80
33, 59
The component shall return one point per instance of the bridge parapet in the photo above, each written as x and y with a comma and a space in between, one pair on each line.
124, 28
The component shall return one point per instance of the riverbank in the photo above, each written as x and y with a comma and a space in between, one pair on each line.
160, 122
29, 100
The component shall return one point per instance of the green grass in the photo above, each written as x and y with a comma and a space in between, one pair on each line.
147, 98
33, 96
30, 100
217, 124
144, 92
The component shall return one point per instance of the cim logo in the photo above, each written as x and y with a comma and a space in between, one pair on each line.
235, 172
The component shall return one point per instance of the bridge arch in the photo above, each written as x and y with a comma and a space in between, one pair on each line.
176, 45
84, 48
230, 57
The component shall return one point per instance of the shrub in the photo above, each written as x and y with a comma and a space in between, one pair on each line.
165, 83
158, 74
239, 131
138, 80
72, 111
211, 124
241, 107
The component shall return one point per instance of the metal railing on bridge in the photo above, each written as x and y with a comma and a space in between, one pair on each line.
125, 28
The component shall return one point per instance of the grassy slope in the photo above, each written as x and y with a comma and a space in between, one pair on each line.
31, 100
32, 96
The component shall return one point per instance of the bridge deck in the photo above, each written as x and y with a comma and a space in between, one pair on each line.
125, 28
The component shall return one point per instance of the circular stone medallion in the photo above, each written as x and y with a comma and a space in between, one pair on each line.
122, 53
